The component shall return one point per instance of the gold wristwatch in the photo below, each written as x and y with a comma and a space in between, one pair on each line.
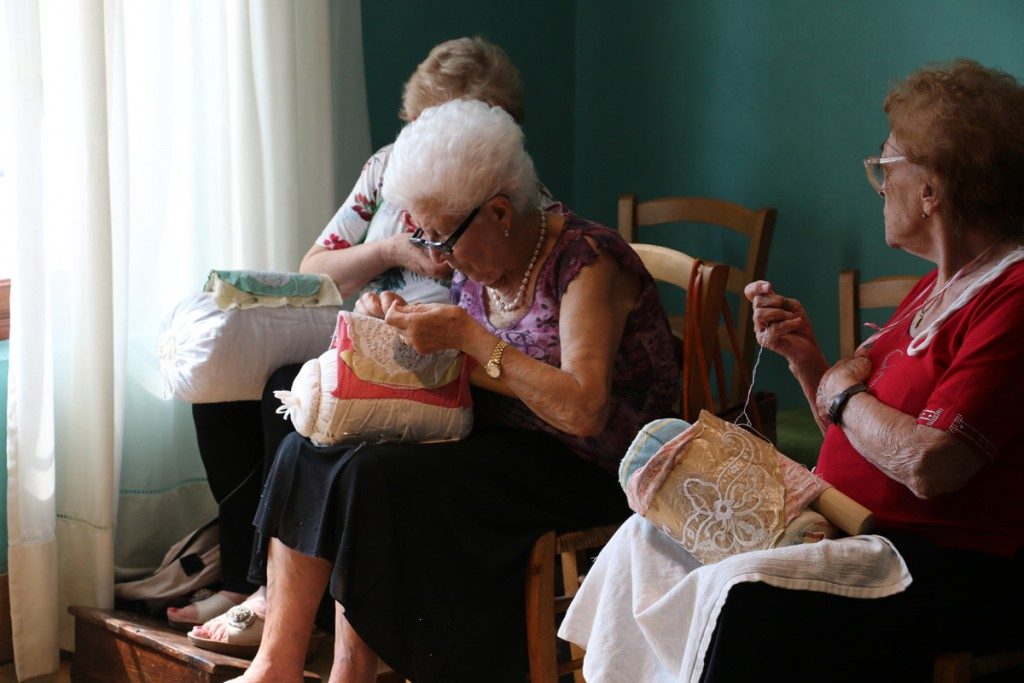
493, 367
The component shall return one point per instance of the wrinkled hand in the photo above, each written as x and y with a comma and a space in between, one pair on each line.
377, 304
428, 327
780, 323
407, 255
841, 376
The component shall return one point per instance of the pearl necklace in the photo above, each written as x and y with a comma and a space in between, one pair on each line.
512, 304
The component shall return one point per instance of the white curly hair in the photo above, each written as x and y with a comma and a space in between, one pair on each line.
458, 155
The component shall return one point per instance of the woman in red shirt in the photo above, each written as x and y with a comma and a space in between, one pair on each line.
925, 424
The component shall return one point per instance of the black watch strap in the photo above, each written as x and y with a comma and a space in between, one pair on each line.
835, 410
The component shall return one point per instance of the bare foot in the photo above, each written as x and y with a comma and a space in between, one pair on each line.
191, 612
217, 629
258, 673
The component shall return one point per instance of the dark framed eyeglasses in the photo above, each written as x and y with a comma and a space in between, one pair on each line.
448, 245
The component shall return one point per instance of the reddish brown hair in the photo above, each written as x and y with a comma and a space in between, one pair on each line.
464, 68
965, 122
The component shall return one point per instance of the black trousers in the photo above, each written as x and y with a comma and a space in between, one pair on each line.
958, 600
237, 443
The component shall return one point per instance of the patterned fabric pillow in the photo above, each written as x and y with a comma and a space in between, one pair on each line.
371, 386
270, 289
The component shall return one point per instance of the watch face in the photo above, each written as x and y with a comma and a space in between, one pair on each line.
493, 370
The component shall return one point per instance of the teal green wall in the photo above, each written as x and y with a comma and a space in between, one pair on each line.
3, 441
766, 103
538, 37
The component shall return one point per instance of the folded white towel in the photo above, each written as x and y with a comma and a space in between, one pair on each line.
647, 609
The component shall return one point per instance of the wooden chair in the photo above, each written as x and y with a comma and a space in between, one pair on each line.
854, 295
574, 549
757, 226
888, 292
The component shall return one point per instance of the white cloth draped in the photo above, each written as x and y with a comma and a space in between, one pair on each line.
647, 609
151, 141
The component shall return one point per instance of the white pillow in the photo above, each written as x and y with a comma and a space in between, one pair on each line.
208, 355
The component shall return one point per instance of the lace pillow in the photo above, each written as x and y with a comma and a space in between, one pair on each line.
372, 386
716, 489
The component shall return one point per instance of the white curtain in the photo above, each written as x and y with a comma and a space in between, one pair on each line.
152, 140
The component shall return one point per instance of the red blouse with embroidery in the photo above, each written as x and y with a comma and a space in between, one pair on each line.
969, 382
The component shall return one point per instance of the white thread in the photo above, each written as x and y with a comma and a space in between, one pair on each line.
744, 418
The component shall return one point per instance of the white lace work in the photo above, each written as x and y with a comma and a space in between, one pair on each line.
722, 495
382, 343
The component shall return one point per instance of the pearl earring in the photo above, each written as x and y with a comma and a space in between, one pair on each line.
924, 214
507, 234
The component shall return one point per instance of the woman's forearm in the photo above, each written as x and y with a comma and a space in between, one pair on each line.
351, 268
558, 397
926, 460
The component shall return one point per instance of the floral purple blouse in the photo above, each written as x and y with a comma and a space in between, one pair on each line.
645, 377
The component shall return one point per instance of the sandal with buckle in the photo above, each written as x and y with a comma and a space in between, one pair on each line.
244, 631
208, 605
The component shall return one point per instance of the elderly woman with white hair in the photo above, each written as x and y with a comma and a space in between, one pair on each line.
424, 546
364, 247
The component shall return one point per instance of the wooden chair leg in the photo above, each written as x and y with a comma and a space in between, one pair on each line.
540, 611
952, 667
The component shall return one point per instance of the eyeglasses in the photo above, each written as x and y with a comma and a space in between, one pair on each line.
875, 167
448, 245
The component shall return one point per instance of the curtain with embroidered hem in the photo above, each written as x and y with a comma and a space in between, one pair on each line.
151, 142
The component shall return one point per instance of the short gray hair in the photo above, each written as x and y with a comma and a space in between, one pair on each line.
458, 155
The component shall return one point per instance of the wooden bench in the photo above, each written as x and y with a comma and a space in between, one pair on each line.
120, 646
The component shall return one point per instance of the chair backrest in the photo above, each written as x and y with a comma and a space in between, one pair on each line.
675, 268
756, 225
854, 296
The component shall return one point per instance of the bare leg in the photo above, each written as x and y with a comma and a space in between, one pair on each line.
295, 585
354, 661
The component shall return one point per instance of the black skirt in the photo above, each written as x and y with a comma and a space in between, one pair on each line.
430, 542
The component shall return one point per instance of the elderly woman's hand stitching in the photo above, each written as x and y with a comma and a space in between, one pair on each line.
429, 327
780, 323
376, 304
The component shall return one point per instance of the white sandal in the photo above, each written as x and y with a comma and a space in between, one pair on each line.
245, 631
207, 607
